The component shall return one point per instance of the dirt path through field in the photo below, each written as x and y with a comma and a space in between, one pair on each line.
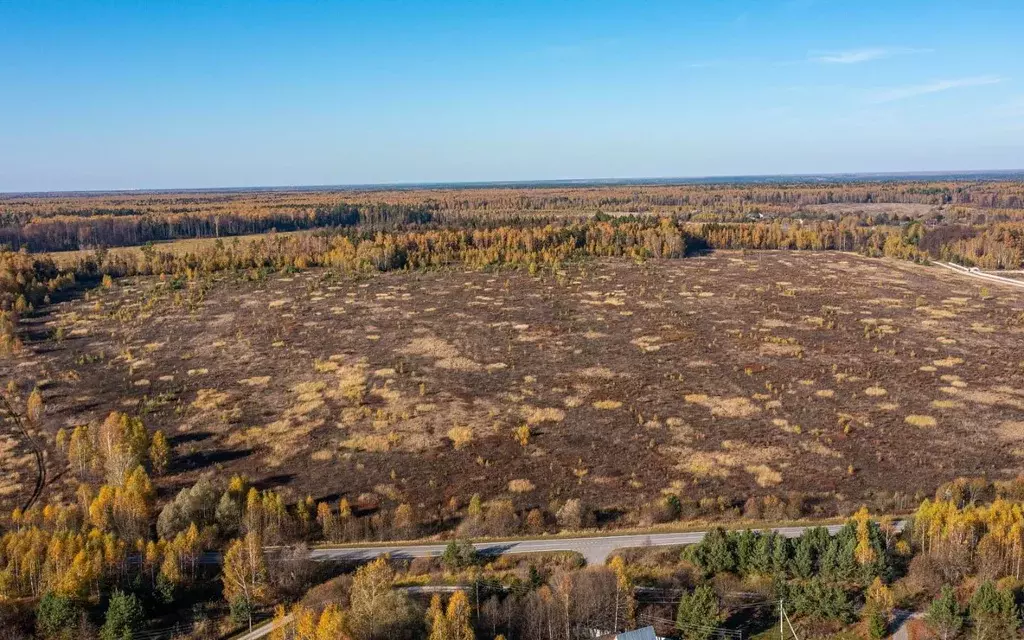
37, 451
988, 277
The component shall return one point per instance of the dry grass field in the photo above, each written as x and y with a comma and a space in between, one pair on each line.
174, 247
841, 377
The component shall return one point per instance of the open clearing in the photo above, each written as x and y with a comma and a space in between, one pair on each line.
175, 247
844, 378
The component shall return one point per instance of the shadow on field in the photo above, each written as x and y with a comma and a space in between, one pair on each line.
203, 459
186, 438
272, 482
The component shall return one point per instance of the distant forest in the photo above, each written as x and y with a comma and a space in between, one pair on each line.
978, 223
68, 222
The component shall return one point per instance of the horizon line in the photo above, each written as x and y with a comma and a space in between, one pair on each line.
465, 184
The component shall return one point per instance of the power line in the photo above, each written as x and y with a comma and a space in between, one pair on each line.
721, 632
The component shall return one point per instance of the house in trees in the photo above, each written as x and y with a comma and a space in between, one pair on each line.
647, 633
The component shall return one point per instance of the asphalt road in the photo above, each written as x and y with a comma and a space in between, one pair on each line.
594, 549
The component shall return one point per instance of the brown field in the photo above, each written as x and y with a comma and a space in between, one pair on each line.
844, 378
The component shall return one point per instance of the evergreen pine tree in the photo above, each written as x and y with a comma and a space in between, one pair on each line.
698, 613
993, 613
944, 615
124, 617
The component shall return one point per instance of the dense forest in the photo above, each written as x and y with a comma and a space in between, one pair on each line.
978, 222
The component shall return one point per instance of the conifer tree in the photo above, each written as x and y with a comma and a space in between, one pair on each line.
993, 613
124, 617
944, 616
698, 613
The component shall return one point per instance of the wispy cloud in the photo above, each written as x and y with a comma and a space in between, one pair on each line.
914, 90
855, 56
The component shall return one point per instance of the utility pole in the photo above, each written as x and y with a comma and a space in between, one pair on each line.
792, 630
783, 616
476, 585
616, 629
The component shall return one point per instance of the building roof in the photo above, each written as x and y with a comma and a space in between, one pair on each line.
647, 633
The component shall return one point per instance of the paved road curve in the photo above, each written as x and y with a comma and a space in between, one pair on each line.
595, 549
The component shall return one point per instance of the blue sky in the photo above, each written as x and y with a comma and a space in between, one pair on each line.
149, 94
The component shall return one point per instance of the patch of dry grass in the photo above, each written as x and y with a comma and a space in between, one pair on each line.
458, 363
325, 366
370, 442
764, 475
647, 344
537, 415
818, 448
784, 424
603, 373
733, 454
702, 464
210, 399
444, 353
1011, 430
736, 407
460, 436
774, 349
520, 485
352, 382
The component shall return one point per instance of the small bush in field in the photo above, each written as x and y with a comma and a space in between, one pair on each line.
460, 436
521, 434
520, 485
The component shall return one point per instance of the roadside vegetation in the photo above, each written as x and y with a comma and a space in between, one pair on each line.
956, 562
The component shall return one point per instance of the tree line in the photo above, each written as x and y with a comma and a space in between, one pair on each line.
59, 223
95, 230
634, 198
